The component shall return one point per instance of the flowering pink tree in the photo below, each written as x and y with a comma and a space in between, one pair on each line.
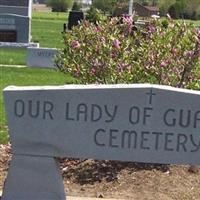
115, 51
172, 55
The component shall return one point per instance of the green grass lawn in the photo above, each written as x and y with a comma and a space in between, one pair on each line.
50, 15
26, 77
12, 56
47, 28
47, 32
196, 23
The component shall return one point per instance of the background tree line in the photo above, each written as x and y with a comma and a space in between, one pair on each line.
187, 9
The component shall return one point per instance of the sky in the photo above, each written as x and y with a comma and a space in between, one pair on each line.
87, 1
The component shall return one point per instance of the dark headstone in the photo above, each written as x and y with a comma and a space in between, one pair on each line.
74, 18
15, 21
64, 28
16, 26
20, 7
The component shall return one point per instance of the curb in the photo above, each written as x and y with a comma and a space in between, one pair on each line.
80, 198
85, 198
17, 66
89, 198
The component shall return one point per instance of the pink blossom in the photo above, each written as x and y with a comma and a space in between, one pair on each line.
189, 54
116, 43
98, 28
129, 67
75, 44
162, 33
93, 70
197, 34
197, 31
128, 20
152, 29
121, 67
164, 64
103, 40
113, 54
174, 51
77, 71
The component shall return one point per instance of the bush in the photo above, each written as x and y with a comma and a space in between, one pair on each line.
113, 52
59, 5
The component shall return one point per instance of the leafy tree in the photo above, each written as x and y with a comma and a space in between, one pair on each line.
76, 6
188, 9
175, 10
105, 5
193, 9
120, 9
59, 5
164, 6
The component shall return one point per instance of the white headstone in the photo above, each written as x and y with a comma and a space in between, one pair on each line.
41, 57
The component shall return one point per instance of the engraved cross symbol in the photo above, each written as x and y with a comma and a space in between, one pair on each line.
151, 94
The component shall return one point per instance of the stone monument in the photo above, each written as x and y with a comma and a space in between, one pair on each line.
139, 123
15, 21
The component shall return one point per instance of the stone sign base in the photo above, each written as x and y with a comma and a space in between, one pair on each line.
39, 178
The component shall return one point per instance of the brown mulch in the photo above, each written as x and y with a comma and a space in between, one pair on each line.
127, 180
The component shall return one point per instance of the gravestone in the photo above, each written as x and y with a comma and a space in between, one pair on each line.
74, 18
41, 57
15, 21
139, 123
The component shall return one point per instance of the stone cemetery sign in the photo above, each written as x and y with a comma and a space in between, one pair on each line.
15, 21
139, 123
41, 57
